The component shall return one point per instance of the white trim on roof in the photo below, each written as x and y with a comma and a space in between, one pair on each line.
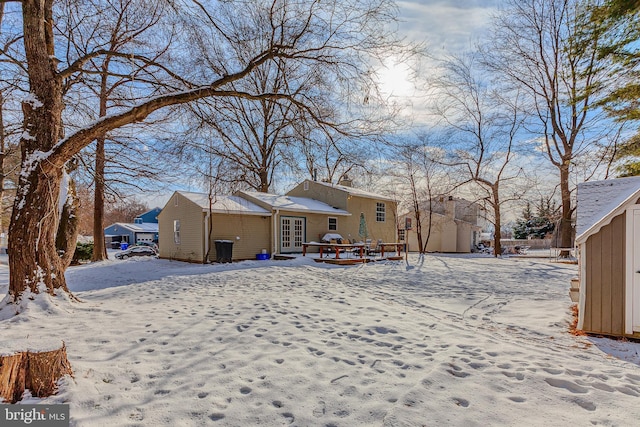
606, 219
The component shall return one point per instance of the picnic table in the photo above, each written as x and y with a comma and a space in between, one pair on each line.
337, 247
397, 246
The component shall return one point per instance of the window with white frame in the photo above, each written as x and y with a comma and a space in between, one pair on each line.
381, 212
176, 231
401, 234
333, 224
175, 200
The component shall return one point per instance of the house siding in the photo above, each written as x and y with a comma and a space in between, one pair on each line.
447, 235
249, 233
330, 195
191, 217
605, 279
349, 226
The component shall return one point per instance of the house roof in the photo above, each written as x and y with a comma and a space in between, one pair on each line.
226, 204
145, 227
600, 201
295, 204
355, 191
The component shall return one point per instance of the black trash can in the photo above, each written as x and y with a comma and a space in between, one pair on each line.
224, 250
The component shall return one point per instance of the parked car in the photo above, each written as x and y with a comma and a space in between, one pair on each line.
150, 244
136, 251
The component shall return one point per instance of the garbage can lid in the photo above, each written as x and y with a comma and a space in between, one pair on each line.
224, 241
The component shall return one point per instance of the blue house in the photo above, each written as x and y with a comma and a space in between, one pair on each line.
144, 229
151, 216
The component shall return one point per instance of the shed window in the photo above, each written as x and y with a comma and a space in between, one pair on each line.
381, 212
333, 224
176, 231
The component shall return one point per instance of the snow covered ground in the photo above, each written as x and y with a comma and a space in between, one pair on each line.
447, 340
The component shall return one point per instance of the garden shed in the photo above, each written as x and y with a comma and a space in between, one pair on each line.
608, 240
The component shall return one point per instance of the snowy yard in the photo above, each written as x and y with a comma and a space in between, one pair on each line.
447, 340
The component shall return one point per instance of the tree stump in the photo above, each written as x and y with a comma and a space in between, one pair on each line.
37, 371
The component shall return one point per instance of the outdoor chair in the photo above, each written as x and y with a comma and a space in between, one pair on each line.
374, 249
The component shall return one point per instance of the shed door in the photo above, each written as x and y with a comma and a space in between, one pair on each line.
635, 269
292, 232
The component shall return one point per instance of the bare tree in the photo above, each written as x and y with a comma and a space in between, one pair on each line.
416, 165
120, 30
481, 128
343, 36
549, 49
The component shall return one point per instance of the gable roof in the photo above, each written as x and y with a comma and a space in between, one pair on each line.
294, 204
225, 204
600, 201
145, 227
354, 191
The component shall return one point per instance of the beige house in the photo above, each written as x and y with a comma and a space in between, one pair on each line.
184, 227
295, 220
455, 226
257, 222
372, 216
608, 240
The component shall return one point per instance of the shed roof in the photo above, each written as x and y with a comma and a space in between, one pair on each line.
600, 201
295, 204
226, 204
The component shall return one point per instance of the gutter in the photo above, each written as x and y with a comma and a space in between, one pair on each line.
275, 231
206, 238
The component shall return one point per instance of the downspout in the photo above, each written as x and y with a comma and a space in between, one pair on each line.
206, 238
275, 231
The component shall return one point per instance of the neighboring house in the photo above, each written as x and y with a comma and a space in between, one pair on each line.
150, 216
184, 227
143, 229
608, 240
372, 216
296, 220
455, 226
132, 233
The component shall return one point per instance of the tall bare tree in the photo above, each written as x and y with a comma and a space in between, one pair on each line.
417, 167
549, 49
342, 36
482, 125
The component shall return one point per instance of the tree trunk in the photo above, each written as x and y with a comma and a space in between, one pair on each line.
67, 235
566, 229
497, 251
3, 156
38, 372
99, 247
33, 261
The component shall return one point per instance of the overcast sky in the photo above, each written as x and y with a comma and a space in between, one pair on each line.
447, 25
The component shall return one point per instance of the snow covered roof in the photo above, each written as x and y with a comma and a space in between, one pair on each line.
294, 204
226, 204
356, 191
144, 227
600, 201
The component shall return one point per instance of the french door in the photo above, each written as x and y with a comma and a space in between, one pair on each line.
292, 232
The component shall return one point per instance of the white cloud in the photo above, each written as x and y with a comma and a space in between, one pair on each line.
446, 25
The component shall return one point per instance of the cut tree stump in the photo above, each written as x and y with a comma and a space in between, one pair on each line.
37, 371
